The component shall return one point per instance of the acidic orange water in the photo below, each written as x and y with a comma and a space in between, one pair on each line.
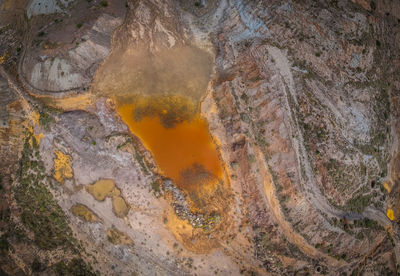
185, 146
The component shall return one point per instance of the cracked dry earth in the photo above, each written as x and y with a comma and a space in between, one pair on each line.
215, 137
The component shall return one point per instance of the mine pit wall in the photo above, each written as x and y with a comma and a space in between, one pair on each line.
228, 70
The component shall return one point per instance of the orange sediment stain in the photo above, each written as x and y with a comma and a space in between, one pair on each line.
176, 149
75, 102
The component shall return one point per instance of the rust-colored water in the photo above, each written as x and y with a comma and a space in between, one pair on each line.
177, 149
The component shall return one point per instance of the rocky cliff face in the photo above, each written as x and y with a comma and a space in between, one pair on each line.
302, 104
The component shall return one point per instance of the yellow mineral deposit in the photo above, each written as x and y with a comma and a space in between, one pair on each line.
35, 138
184, 232
84, 212
3, 58
62, 166
388, 186
102, 188
390, 214
17, 121
106, 188
120, 207
34, 119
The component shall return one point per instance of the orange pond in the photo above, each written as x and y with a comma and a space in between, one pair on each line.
178, 148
